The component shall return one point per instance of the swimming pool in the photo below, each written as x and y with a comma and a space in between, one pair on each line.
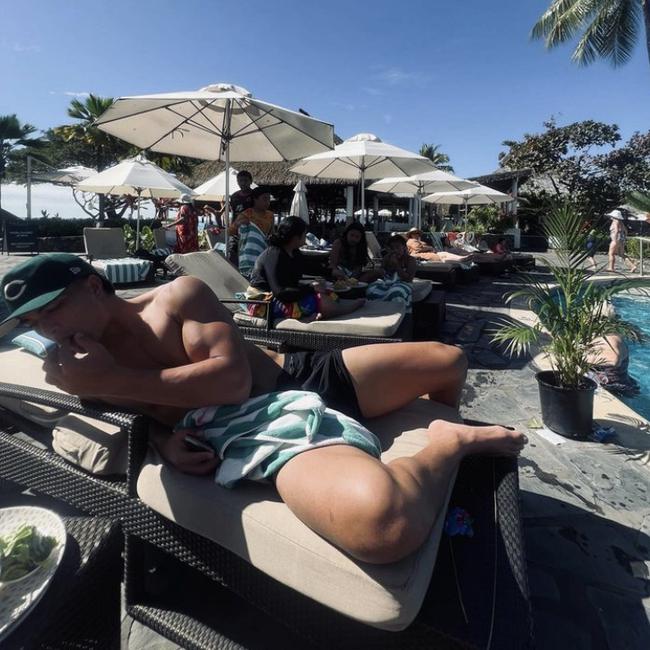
637, 310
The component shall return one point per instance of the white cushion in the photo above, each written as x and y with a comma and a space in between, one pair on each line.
375, 318
254, 523
95, 446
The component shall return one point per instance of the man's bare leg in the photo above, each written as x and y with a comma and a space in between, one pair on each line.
381, 513
388, 376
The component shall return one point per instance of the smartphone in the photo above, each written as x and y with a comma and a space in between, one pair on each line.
194, 444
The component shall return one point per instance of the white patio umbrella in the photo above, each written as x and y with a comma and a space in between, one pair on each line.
435, 180
217, 122
136, 176
363, 156
214, 189
299, 206
476, 195
66, 175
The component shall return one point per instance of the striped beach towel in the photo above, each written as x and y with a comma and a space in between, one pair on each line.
389, 288
256, 438
252, 243
124, 270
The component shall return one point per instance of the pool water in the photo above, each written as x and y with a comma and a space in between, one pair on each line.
637, 311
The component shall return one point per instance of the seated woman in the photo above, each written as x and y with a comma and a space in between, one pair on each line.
278, 270
259, 214
609, 357
398, 273
398, 261
349, 255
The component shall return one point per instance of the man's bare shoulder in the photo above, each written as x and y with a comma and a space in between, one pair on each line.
189, 297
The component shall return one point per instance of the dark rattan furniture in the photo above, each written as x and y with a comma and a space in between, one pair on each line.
81, 607
479, 590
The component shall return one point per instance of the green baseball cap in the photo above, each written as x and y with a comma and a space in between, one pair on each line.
38, 281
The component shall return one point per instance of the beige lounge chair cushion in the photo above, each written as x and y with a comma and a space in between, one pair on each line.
104, 243
219, 274
254, 523
95, 446
373, 319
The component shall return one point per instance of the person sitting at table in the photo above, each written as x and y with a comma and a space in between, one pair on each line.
279, 269
259, 214
349, 255
398, 261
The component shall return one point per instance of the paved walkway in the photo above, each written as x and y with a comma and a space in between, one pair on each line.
585, 505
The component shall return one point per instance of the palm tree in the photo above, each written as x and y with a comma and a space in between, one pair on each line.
608, 29
13, 134
439, 159
103, 149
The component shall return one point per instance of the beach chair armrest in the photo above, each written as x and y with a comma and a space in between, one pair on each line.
246, 301
135, 424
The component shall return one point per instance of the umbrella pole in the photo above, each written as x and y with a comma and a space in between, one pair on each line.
137, 225
363, 196
226, 136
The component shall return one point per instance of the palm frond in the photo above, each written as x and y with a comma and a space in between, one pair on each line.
639, 200
611, 35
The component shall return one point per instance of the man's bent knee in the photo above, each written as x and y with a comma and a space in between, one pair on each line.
382, 529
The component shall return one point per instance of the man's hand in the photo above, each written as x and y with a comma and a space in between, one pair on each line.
81, 367
173, 450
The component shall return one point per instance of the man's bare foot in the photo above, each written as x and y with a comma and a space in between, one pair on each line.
492, 440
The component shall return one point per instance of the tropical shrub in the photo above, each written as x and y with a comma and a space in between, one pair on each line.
572, 310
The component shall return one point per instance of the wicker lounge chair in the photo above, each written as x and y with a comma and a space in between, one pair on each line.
373, 323
106, 251
254, 556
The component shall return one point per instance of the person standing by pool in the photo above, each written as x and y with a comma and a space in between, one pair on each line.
187, 226
618, 238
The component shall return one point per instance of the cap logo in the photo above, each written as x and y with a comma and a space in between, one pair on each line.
75, 270
15, 289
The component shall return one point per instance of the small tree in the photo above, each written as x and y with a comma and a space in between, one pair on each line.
572, 310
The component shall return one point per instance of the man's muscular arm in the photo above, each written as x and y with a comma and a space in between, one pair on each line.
217, 371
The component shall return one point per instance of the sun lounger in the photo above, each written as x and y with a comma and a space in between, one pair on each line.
273, 567
106, 251
375, 322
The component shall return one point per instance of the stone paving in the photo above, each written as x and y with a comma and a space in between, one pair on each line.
585, 505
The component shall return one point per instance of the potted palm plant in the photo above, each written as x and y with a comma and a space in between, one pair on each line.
573, 311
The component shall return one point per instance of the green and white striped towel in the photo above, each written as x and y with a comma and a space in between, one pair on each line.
256, 438
124, 271
391, 288
252, 243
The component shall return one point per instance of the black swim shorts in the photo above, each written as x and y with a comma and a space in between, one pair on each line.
323, 373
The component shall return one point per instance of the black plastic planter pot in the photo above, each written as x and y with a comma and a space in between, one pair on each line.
567, 411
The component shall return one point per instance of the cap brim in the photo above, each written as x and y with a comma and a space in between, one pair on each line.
35, 303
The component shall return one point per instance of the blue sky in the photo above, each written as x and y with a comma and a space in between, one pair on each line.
463, 75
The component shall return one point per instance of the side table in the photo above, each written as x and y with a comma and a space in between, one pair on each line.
81, 607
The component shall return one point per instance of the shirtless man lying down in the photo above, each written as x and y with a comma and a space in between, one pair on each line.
175, 348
